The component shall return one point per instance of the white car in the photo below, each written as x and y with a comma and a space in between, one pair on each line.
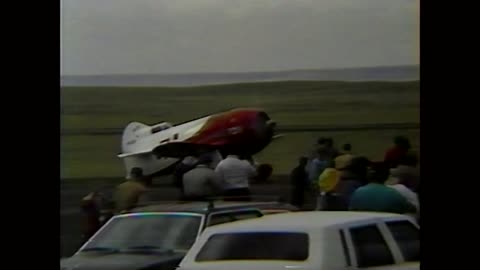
309, 240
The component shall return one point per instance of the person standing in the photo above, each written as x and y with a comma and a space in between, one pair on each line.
409, 195
314, 169
183, 167
215, 156
235, 175
344, 158
201, 182
92, 215
318, 146
377, 197
327, 182
394, 155
299, 180
404, 179
127, 194
407, 171
353, 176
330, 149
316, 166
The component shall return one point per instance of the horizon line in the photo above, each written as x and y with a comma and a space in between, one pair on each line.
238, 72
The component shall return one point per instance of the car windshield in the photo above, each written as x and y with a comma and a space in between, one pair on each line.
147, 231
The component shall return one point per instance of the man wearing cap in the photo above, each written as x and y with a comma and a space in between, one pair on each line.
201, 182
126, 194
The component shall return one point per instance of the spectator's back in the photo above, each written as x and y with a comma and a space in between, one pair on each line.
201, 182
235, 173
127, 194
377, 197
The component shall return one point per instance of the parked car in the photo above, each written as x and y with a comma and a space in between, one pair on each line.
158, 236
309, 240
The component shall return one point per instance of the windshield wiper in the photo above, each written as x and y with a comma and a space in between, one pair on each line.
103, 249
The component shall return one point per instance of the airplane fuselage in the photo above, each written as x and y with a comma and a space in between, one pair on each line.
154, 148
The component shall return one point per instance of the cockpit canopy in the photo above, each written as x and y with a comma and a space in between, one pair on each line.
161, 127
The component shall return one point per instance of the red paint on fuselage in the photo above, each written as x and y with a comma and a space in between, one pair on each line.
233, 131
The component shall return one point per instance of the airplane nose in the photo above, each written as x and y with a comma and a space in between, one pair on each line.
271, 125
264, 126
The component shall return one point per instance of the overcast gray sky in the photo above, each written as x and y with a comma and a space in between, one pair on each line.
180, 36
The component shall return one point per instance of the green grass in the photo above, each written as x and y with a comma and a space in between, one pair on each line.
289, 103
90, 156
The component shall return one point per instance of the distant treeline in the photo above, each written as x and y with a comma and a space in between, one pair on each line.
393, 73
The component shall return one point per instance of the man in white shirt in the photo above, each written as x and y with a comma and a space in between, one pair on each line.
201, 182
406, 193
399, 180
235, 174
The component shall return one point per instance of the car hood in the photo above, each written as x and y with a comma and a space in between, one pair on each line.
121, 261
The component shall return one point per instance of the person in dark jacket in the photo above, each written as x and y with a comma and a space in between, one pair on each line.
299, 181
330, 149
187, 164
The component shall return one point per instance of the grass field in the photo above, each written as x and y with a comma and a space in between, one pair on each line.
289, 103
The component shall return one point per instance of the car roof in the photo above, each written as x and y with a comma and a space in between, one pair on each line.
304, 220
202, 207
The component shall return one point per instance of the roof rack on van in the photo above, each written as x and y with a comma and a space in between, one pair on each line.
256, 198
211, 200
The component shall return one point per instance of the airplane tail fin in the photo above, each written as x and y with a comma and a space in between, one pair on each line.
132, 132
137, 154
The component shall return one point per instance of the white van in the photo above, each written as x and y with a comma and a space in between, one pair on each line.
310, 240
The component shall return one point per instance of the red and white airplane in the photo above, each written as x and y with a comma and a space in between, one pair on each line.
158, 148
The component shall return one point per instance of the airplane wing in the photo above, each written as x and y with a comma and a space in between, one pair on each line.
181, 149
145, 152
174, 150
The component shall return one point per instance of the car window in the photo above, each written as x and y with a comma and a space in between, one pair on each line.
255, 246
220, 218
407, 237
371, 249
165, 231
